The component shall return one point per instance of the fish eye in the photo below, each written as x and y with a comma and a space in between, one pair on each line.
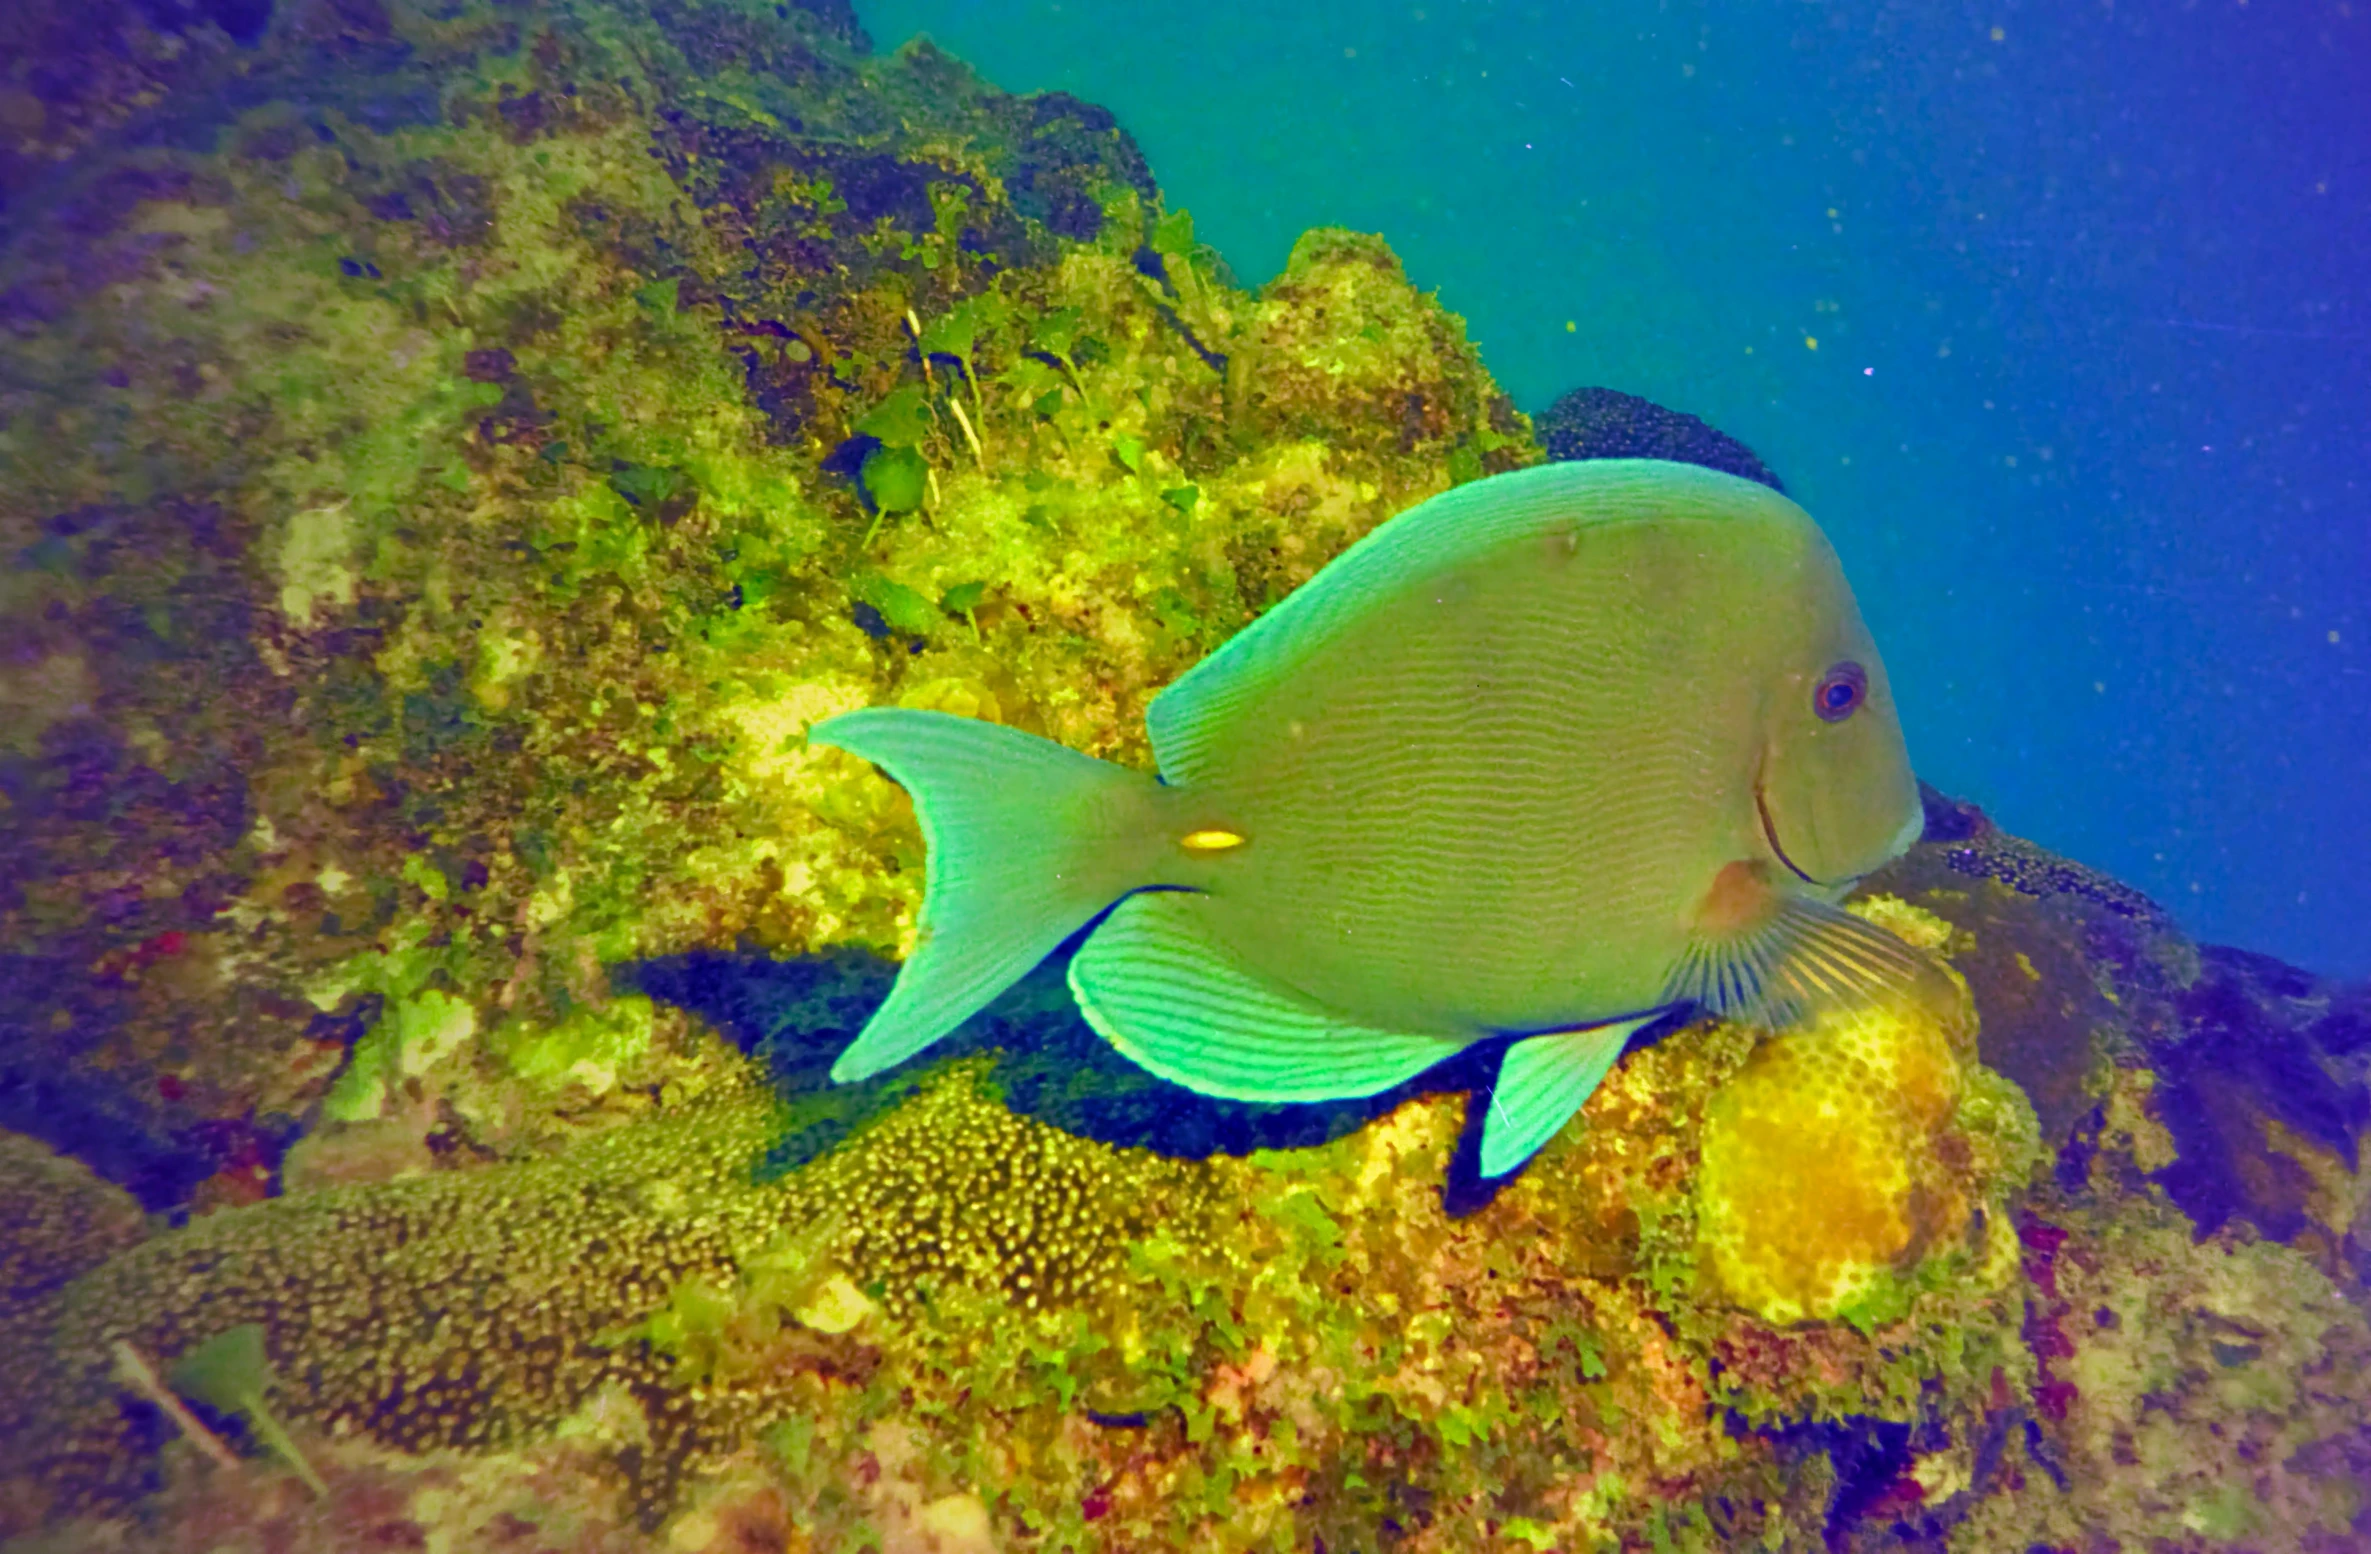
1840, 692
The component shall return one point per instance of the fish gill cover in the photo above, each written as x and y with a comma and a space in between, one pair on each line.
453, 455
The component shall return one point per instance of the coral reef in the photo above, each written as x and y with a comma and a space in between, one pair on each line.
482, 1309
455, 450
57, 1221
1841, 1156
1604, 423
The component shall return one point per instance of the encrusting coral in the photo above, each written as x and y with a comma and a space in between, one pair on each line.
1845, 1153
1603, 423
58, 1221
482, 1309
954, 1190
452, 462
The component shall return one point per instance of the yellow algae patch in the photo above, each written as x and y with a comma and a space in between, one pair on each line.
956, 695
503, 658
1842, 1154
1911, 924
773, 728
953, 1524
315, 552
836, 1306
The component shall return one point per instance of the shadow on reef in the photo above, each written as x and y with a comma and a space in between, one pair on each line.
153, 1140
2259, 1064
795, 1016
2267, 1054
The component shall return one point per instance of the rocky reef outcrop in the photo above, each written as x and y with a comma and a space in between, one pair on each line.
454, 450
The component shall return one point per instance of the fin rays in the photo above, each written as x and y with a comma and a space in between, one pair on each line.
1026, 840
1808, 956
1542, 1081
1156, 985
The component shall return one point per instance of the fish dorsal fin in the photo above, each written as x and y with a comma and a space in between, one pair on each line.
1542, 1081
1465, 523
1155, 984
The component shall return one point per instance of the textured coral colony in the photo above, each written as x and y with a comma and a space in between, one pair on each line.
454, 449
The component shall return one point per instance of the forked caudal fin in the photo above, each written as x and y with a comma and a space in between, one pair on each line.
1027, 841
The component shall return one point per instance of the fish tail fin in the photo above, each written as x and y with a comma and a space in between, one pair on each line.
1027, 840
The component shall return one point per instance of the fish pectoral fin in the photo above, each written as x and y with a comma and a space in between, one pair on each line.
1801, 958
1155, 983
1541, 1082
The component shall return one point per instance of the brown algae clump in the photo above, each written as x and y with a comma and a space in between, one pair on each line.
1849, 1150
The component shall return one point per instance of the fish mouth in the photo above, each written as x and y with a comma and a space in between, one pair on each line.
1770, 835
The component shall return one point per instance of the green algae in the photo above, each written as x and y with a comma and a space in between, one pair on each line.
588, 1047
231, 1374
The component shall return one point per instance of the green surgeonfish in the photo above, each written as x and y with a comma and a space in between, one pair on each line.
1547, 756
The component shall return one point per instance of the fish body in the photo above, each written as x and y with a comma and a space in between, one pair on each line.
1548, 756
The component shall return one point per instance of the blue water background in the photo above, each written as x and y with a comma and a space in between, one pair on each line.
2089, 414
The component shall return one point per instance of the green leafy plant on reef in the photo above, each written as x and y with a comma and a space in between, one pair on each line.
1173, 239
901, 607
964, 599
1056, 335
230, 1373
959, 332
895, 476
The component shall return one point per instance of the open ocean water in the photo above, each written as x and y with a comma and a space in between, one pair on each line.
2057, 317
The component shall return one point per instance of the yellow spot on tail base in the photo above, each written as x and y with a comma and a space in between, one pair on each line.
1211, 841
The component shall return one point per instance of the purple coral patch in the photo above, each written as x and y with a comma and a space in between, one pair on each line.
2250, 1051
1604, 423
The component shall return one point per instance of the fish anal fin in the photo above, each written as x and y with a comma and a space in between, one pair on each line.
1155, 983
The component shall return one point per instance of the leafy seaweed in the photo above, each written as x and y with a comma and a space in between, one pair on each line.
902, 419
230, 1373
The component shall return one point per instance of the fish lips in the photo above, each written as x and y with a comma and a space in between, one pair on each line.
1778, 848
1902, 844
